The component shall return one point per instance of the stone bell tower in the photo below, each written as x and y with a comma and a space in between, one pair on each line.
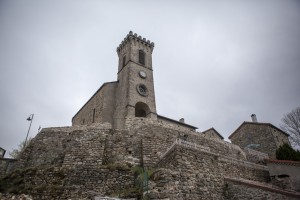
135, 91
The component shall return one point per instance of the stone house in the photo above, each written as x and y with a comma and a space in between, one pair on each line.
213, 134
263, 137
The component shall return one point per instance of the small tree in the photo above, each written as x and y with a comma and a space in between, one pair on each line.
285, 152
291, 125
15, 153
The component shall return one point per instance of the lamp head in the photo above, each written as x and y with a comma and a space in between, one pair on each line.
30, 117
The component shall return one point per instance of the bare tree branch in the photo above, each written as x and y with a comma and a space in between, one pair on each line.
291, 125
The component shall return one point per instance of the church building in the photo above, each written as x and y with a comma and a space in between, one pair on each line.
132, 95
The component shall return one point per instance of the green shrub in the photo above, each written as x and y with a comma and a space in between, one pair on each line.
285, 152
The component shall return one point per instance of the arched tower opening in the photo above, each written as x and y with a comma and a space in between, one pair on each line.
141, 109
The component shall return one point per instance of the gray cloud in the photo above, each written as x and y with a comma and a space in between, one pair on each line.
215, 63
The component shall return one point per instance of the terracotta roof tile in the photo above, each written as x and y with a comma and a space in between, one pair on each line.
284, 162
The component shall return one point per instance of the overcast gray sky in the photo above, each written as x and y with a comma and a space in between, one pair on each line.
215, 62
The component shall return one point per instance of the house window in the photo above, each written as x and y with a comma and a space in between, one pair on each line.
124, 60
141, 57
94, 111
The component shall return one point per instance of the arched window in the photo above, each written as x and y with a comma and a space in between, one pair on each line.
141, 109
141, 57
94, 112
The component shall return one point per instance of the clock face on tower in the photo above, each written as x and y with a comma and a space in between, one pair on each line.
142, 90
142, 74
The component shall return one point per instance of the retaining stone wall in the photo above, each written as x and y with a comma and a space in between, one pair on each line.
5, 165
13, 196
256, 156
237, 190
157, 138
93, 145
135, 123
199, 175
151, 141
79, 182
83, 149
65, 146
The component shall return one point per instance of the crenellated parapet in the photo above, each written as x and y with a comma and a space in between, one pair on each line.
133, 36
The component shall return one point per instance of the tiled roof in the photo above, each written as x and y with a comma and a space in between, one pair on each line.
284, 162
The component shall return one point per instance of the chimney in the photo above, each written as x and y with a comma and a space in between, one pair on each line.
181, 120
253, 117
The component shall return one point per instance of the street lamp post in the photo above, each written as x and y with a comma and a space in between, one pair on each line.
30, 118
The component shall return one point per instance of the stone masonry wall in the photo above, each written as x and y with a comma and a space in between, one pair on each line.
144, 143
241, 190
256, 156
127, 95
211, 133
75, 162
134, 80
157, 138
82, 146
99, 108
66, 146
290, 170
136, 43
92, 145
105, 180
137, 122
199, 175
175, 125
85, 114
280, 138
5, 165
80, 182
